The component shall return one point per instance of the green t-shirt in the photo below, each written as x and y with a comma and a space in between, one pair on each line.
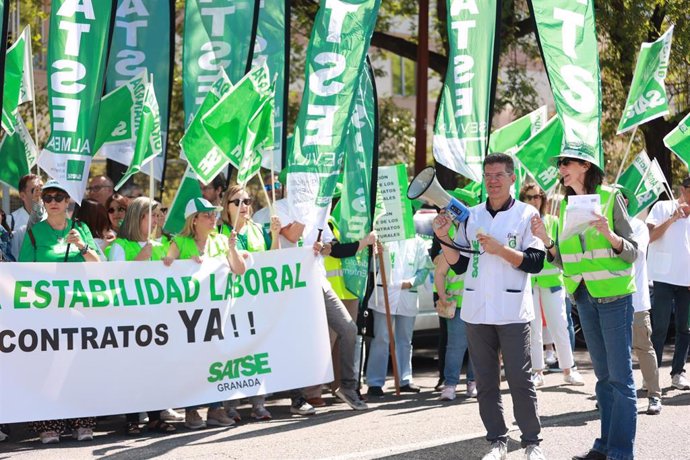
51, 245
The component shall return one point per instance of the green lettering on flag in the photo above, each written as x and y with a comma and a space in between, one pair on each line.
335, 58
187, 190
568, 38
18, 153
647, 98
642, 183
678, 141
18, 84
77, 52
464, 116
538, 153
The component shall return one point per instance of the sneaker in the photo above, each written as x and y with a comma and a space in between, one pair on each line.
534, 452
375, 392
351, 398
550, 357
300, 406
143, 417
498, 451
538, 380
49, 437
317, 401
654, 407
410, 388
259, 412
218, 417
471, 389
193, 420
574, 378
448, 393
233, 414
680, 382
82, 434
169, 415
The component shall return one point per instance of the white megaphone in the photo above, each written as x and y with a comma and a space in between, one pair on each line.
426, 188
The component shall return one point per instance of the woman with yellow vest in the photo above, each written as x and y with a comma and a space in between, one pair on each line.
598, 273
236, 215
549, 300
198, 240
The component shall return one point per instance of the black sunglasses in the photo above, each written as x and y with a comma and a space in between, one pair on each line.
246, 201
114, 210
532, 197
58, 198
567, 161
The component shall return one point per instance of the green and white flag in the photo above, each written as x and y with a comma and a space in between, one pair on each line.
77, 52
18, 154
149, 143
462, 127
143, 42
678, 141
187, 190
642, 183
237, 123
218, 36
19, 79
204, 157
647, 98
335, 58
271, 48
537, 154
568, 39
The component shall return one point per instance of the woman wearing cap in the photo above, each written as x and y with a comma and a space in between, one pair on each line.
197, 240
235, 214
49, 241
116, 206
598, 274
549, 300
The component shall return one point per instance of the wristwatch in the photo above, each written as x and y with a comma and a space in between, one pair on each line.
551, 244
84, 250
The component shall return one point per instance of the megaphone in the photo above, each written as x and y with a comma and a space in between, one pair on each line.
425, 187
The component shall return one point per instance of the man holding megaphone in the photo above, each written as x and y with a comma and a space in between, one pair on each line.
496, 250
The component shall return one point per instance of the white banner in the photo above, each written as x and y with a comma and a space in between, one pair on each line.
397, 223
76, 339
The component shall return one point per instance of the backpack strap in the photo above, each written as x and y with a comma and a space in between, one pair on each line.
33, 241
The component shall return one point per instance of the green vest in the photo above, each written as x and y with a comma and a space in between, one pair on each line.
188, 248
604, 273
132, 248
250, 238
455, 284
334, 270
550, 276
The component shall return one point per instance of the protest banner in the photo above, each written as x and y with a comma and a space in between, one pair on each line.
71, 339
18, 153
678, 141
397, 223
537, 155
19, 78
642, 183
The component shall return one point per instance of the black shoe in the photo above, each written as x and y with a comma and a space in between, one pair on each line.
591, 455
375, 391
439, 385
410, 388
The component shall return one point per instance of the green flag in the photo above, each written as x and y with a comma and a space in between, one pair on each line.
647, 98
642, 183
272, 47
18, 154
187, 190
218, 36
536, 155
77, 52
568, 38
237, 123
678, 141
335, 57
18, 84
149, 143
204, 157
144, 42
464, 116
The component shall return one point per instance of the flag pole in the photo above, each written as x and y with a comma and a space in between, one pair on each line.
33, 98
620, 168
389, 324
644, 178
152, 184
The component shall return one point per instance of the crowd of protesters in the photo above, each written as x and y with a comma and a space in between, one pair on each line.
520, 256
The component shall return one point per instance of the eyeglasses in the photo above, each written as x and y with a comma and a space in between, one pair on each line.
58, 198
496, 176
114, 210
246, 201
98, 188
275, 186
532, 197
567, 161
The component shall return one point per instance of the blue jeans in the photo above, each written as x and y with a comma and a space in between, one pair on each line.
377, 366
455, 351
608, 333
664, 297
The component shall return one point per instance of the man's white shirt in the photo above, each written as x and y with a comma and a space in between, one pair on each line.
669, 256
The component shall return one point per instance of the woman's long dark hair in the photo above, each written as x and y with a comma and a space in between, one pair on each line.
94, 215
594, 177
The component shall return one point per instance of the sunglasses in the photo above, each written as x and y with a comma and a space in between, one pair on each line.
246, 201
98, 188
275, 186
567, 161
58, 198
114, 210
532, 197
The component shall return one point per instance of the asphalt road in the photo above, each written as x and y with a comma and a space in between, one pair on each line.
410, 427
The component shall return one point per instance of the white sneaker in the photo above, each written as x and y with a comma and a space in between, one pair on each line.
83, 434
169, 415
471, 389
680, 382
448, 393
534, 452
574, 378
550, 357
538, 380
498, 451
49, 437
